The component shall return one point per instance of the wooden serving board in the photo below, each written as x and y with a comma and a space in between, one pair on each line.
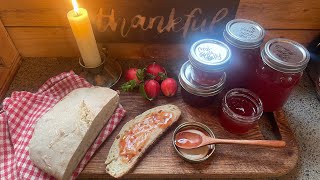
161, 160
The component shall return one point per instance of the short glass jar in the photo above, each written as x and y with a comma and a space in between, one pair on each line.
209, 58
244, 38
278, 72
195, 94
240, 110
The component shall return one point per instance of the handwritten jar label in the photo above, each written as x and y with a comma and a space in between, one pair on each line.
245, 31
212, 53
286, 52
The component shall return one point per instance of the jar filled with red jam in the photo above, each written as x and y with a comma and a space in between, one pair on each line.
244, 38
279, 71
209, 59
195, 94
240, 110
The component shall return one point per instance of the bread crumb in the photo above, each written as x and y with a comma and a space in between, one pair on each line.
85, 114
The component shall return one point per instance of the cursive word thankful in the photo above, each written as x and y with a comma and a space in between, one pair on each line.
189, 22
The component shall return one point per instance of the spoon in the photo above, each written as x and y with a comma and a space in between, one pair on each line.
190, 139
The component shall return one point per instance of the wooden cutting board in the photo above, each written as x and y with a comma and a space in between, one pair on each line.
161, 160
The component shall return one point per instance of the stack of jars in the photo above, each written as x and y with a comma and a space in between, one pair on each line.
204, 76
265, 75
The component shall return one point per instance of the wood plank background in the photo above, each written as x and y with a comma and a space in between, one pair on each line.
9, 61
41, 29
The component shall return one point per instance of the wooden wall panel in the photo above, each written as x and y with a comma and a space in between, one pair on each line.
54, 42
8, 52
10, 61
40, 28
272, 14
282, 14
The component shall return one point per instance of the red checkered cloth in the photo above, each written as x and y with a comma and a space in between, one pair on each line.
19, 115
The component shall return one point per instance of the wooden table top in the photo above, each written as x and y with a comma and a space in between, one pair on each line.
228, 160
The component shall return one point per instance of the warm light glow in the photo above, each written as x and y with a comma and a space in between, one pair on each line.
75, 6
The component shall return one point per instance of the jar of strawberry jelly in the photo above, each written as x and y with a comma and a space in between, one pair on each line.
244, 38
279, 71
240, 110
209, 58
195, 94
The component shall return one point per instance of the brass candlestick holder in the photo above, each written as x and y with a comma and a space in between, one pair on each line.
106, 74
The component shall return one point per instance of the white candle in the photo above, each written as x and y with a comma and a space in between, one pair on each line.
82, 31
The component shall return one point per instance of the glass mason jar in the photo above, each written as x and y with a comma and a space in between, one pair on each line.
278, 72
209, 58
244, 38
195, 94
240, 110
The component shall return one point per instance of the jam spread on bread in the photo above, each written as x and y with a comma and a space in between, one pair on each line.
135, 139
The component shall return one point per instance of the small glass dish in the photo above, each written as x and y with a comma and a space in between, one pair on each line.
198, 154
106, 74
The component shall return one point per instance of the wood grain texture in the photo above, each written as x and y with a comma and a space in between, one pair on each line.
8, 51
41, 29
161, 161
272, 14
10, 60
284, 14
59, 41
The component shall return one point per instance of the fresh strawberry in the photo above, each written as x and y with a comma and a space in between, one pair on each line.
133, 77
150, 90
131, 74
169, 87
156, 71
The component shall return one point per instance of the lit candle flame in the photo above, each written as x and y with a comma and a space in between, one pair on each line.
75, 6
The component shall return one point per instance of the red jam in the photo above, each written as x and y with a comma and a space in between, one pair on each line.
278, 72
188, 139
244, 38
198, 95
135, 139
273, 87
241, 67
205, 78
240, 111
196, 101
209, 59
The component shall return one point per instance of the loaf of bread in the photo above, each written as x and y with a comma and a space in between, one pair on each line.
137, 135
63, 135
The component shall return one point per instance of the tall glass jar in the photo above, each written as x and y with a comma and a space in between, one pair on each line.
208, 58
278, 72
244, 38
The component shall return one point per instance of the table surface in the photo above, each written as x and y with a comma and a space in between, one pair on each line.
302, 110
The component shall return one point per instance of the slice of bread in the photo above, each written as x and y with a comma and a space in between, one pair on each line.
63, 135
116, 165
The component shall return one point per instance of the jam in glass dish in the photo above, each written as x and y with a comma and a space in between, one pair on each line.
195, 94
208, 58
278, 72
244, 38
240, 110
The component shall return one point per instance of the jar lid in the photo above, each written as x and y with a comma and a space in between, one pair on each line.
285, 55
194, 88
210, 55
244, 34
189, 155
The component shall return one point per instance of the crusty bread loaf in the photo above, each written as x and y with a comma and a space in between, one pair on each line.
116, 167
63, 135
